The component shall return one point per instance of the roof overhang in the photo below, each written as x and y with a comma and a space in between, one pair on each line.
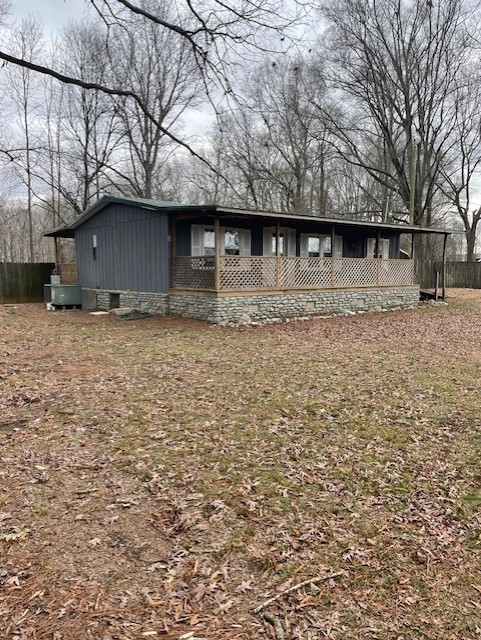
338, 222
59, 232
176, 210
67, 231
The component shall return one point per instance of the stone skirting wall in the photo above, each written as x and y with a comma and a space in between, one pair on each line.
277, 305
143, 300
202, 307
282, 305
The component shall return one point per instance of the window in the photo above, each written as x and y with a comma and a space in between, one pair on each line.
282, 244
383, 248
315, 245
208, 242
287, 241
235, 242
94, 247
232, 242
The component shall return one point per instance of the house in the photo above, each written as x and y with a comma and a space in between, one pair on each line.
217, 263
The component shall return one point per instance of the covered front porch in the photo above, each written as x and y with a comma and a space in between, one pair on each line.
232, 251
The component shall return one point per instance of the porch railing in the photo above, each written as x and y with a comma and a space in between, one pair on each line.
242, 273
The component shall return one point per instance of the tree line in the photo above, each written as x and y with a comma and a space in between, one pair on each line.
354, 108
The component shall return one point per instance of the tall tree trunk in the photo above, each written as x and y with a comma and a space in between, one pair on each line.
470, 244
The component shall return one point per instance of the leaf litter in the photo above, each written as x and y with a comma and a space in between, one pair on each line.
165, 478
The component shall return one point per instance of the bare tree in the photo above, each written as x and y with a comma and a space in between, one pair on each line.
23, 92
216, 31
272, 149
282, 95
242, 153
462, 165
163, 73
394, 64
51, 169
91, 130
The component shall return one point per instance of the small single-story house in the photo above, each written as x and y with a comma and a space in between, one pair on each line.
217, 263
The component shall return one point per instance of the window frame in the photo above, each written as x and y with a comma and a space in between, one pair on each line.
383, 249
311, 262
269, 248
204, 261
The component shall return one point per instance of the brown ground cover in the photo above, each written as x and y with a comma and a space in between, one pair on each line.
163, 478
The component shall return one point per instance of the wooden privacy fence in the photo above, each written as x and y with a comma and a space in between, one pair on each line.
20, 282
465, 275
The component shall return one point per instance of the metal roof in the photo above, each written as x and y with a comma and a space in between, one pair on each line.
67, 231
338, 222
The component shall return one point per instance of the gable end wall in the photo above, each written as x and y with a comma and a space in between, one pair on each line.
132, 250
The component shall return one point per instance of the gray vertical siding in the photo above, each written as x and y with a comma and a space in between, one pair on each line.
132, 250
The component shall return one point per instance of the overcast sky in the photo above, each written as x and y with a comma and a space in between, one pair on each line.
54, 13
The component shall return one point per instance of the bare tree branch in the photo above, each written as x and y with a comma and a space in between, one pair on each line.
107, 90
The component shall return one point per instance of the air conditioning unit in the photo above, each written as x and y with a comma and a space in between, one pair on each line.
66, 295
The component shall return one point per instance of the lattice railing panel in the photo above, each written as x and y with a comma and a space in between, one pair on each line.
248, 272
67, 272
396, 272
194, 273
354, 272
258, 272
300, 273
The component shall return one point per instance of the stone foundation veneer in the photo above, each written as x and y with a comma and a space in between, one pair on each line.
283, 305
220, 309
143, 300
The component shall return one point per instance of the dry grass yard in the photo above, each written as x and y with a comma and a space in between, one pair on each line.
163, 478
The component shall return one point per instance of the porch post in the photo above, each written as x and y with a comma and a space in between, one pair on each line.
173, 239
444, 265
217, 254
56, 251
413, 258
378, 263
333, 253
278, 255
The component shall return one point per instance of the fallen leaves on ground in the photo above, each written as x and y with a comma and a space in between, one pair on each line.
163, 478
